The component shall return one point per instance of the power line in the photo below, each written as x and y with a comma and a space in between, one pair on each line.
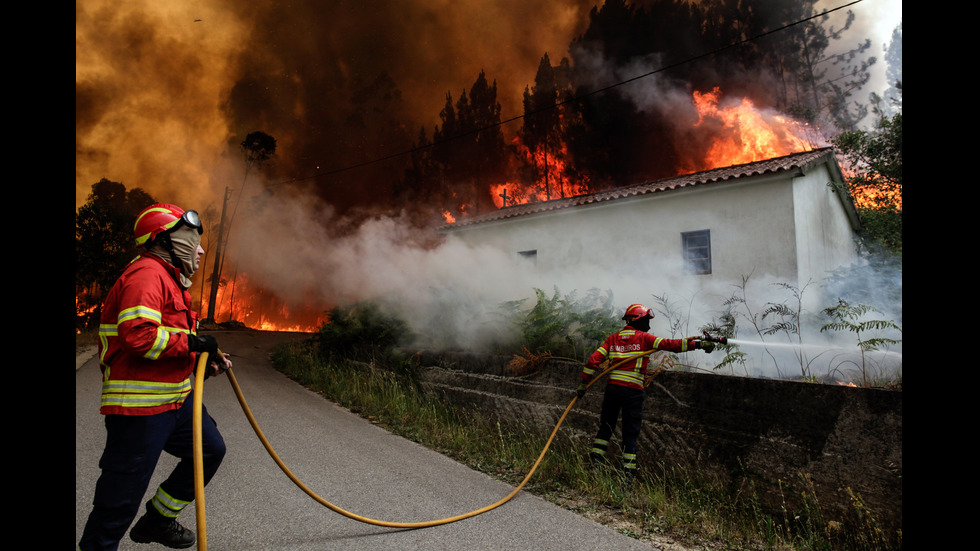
573, 99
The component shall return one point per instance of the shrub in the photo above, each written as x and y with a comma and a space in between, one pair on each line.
363, 332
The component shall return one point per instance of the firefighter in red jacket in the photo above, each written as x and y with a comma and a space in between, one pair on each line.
624, 391
148, 348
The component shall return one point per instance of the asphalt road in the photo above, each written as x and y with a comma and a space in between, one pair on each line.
251, 505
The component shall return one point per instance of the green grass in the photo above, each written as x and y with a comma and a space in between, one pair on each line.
665, 502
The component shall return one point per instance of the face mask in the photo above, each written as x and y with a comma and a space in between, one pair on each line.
186, 241
641, 324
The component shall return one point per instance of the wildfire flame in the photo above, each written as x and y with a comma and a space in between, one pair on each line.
738, 132
553, 181
239, 300
871, 198
741, 133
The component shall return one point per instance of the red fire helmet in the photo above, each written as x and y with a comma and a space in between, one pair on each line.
637, 311
163, 217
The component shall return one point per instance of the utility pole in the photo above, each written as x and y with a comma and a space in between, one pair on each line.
216, 266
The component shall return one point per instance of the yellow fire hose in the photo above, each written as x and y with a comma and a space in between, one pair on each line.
199, 460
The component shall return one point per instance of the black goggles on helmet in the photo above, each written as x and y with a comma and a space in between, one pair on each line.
191, 219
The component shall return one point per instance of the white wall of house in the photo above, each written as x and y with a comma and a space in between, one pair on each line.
788, 227
824, 234
783, 227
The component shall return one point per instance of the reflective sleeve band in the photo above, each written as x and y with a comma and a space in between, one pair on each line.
135, 312
159, 344
588, 369
160, 341
683, 347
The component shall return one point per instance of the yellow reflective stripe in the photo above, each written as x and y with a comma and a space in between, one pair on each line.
168, 505
625, 357
163, 337
626, 377
107, 330
656, 344
159, 344
143, 238
629, 461
591, 370
136, 312
143, 393
618, 356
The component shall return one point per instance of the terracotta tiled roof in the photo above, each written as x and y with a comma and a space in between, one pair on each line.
785, 163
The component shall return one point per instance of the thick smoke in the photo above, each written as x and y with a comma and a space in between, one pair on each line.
165, 92
448, 291
452, 293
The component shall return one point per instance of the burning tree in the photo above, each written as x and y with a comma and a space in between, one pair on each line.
874, 160
542, 135
257, 147
667, 88
466, 154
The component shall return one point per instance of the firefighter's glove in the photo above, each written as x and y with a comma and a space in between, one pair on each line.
205, 343
581, 389
707, 346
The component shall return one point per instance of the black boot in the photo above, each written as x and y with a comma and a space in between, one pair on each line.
153, 527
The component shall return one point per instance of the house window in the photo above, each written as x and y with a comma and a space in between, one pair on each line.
697, 251
530, 256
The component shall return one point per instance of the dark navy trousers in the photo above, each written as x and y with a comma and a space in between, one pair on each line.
133, 447
620, 401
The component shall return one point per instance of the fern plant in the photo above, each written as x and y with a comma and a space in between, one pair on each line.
788, 320
847, 317
566, 325
726, 327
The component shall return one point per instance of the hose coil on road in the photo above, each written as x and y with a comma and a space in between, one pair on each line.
199, 460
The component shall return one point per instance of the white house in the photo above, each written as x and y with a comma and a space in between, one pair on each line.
784, 218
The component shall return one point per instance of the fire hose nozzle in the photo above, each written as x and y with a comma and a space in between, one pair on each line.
719, 340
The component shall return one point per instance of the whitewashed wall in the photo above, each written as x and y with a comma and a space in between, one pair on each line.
824, 234
785, 227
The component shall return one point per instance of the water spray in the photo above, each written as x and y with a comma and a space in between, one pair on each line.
810, 347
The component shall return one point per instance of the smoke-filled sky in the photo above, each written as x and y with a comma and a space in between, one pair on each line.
166, 90
163, 88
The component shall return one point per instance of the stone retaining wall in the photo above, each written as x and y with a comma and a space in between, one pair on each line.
775, 440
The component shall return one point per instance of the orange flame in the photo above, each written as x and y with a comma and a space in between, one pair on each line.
741, 133
738, 133
252, 306
553, 181
870, 198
